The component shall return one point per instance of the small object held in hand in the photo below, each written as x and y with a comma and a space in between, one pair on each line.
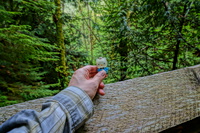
101, 64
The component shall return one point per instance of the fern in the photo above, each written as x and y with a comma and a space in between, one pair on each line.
22, 56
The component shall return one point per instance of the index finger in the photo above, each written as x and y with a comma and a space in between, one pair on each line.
90, 68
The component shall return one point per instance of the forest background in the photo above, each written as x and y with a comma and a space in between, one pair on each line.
42, 42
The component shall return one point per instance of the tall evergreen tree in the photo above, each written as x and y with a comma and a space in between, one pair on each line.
22, 53
60, 42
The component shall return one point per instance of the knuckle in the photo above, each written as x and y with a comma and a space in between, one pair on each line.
78, 71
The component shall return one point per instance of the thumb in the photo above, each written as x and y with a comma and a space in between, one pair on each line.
100, 76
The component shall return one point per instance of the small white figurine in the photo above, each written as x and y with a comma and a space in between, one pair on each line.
102, 64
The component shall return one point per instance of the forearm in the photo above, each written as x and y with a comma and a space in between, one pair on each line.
65, 112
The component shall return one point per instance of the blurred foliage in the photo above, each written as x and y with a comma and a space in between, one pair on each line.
138, 38
147, 37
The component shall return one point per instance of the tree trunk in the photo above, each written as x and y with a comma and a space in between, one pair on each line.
123, 51
60, 43
176, 52
178, 41
90, 35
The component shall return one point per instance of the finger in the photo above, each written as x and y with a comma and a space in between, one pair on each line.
91, 75
90, 68
101, 85
90, 71
99, 76
101, 92
87, 72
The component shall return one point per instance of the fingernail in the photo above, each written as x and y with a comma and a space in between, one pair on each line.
103, 73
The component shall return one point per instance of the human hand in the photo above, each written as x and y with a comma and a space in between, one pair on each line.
89, 80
